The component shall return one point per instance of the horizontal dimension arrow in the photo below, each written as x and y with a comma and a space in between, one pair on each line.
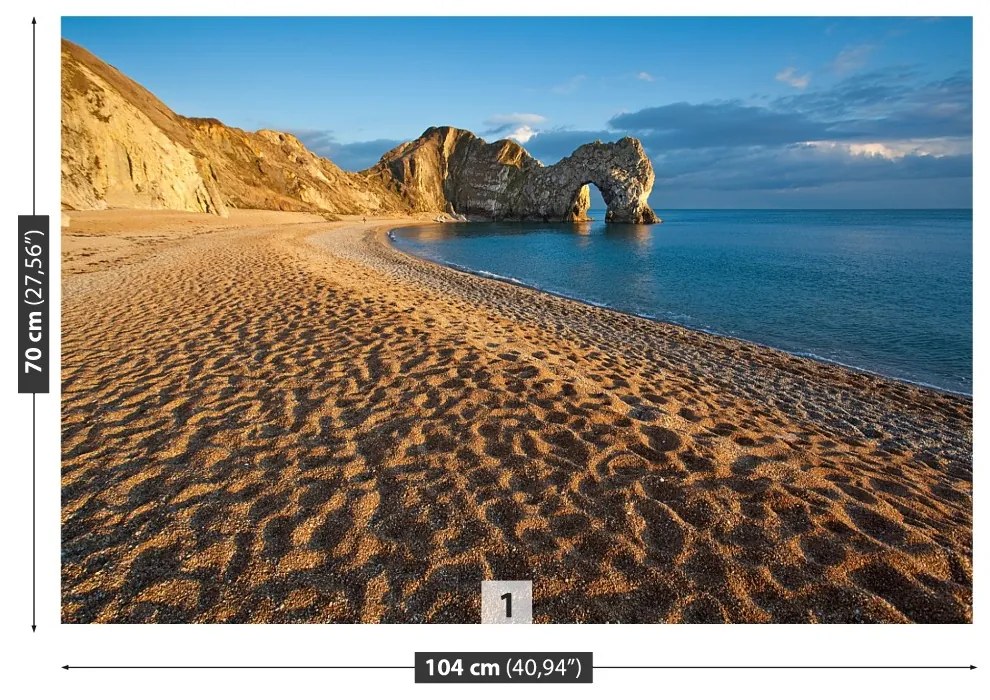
803, 668
233, 668
673, 668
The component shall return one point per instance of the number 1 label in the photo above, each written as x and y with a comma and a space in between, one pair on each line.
506, 602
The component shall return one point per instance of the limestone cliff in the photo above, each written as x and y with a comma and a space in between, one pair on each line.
122, 147
273, 170
621, 171
449, 169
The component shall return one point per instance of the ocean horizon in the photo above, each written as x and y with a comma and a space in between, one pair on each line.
887, 291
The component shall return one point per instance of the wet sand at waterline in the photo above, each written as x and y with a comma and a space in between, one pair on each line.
274, 418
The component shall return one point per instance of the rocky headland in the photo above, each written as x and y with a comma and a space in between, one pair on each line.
452, 170
123, 148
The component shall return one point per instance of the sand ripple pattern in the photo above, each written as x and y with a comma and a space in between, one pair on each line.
276, 426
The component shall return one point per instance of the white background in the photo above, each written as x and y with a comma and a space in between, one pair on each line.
32, 661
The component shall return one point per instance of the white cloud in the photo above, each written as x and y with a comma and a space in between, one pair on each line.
852, 58
522, 134
644, 76
897, 149
890, 151
514, 125
790, 76
514, 119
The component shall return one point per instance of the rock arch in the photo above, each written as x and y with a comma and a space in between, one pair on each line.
621, 171
452, 170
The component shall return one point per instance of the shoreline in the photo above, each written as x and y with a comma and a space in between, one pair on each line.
645, 317
833, 382
275, 419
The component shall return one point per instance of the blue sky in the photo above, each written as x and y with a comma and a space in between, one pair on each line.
735, 112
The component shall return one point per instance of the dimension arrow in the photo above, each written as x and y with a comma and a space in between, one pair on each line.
34, 115
237, 668
34, 522
34, 212
714, 668
801, 668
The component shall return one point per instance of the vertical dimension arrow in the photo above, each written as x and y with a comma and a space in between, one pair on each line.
34, 115
33, 311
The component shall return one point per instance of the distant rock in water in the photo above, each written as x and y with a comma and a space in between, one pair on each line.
123, 148
449, 167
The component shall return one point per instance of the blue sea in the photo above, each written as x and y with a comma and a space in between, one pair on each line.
887, 291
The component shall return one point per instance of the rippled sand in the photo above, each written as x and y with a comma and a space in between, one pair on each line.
273, 418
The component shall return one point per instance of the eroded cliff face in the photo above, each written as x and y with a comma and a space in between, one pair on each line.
621, 171
452, 170
122, 147
448, 170
273, 170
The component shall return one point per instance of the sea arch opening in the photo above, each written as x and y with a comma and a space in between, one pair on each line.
588, 196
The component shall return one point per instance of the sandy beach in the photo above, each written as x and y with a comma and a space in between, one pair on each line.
275, 418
